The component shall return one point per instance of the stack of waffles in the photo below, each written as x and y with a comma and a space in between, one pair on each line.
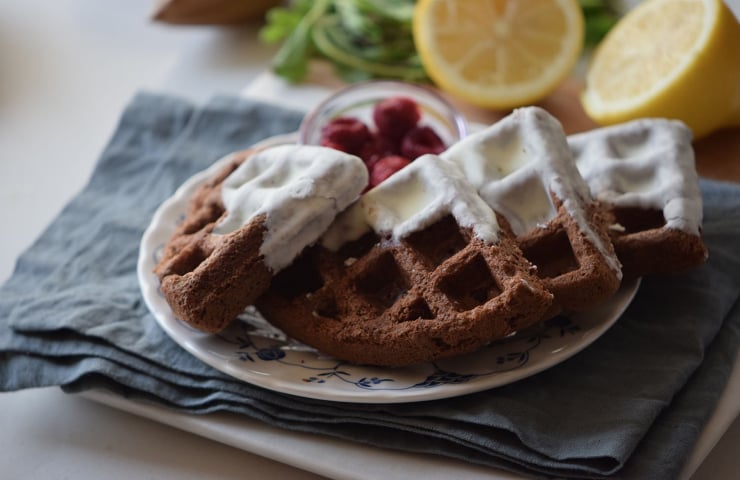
507, 228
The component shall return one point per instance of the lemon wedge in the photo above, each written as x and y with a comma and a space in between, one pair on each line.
669, 58
498, 53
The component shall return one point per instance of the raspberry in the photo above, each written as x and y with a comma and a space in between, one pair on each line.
395, 116
375, 149
335, 146
385, 167
419, 141
349, 134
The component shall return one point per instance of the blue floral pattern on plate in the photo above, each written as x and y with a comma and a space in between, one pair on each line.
254, 340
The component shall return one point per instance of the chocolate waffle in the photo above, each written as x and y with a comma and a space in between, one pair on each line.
417, 270
523, 169
643, 172
249, 222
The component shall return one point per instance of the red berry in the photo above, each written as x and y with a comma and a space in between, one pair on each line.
375, 149
335, 146
349, 134
421, 140
395, 116
385, 167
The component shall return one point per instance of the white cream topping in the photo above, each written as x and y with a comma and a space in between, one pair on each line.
349, 225
647, 163
412, 199
299, 188
515, 164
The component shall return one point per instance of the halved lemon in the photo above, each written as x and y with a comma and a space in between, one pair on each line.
669, 58
498, 53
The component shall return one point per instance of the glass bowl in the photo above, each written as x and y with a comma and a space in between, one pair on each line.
358, 101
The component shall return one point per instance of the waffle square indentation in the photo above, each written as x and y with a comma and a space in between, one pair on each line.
438, 242
415, 310
636, 219
552, 255
469, 284
381, 281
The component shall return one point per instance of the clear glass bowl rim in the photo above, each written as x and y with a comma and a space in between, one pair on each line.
412, 90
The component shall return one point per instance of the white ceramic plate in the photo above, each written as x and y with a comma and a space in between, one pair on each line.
254, 351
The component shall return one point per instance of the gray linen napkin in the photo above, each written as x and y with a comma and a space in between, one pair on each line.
630, 405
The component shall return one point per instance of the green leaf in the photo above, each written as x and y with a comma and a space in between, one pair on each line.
363, 38
401, 11
599, 17
291, 61
333, 43
597, 27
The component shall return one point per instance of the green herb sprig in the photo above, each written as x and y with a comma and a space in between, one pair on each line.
599, 17
363, 38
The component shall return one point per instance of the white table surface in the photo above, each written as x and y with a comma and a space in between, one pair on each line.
67, 69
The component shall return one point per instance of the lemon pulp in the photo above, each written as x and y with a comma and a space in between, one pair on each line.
498, 53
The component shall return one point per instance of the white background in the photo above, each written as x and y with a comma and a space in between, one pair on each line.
67, 69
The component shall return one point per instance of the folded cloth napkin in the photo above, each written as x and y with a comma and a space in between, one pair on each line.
630, 405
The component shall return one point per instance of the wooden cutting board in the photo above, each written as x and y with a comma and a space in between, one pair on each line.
211, 12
